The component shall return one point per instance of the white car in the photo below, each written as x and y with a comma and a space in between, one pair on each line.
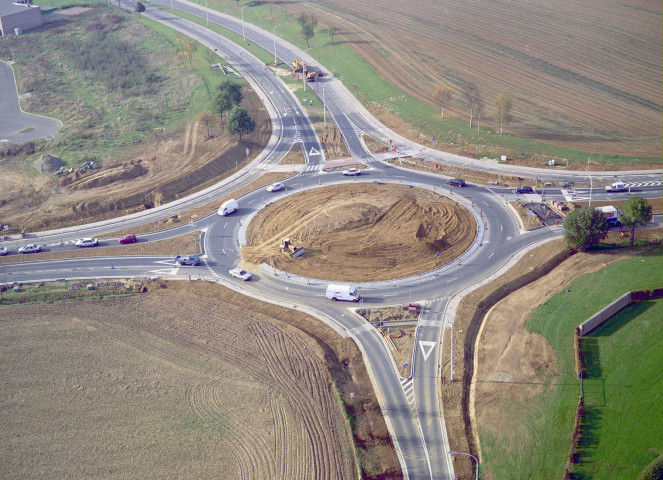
87, 242
241, 274
351, 172
3, 251
616, 187
30, 248
275, 187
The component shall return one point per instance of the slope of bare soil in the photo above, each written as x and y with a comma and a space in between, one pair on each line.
360, 232
173, 165
582, 75
190, 381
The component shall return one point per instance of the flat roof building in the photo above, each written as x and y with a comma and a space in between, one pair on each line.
18, 15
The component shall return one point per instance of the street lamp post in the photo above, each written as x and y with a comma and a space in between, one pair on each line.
207, 13
274, 38
242, 12
324, 113
469, 455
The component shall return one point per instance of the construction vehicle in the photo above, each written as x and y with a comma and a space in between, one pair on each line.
310, 75
288, 247
298, 65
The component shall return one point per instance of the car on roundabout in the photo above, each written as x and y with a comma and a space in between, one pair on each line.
275, 187
351, 172
30, 248
4, 251
241, 274
129, 238
87, 242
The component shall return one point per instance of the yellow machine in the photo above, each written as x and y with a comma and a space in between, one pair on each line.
289, 248
298, 65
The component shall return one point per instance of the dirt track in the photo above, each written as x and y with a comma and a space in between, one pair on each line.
200, 380
361, 232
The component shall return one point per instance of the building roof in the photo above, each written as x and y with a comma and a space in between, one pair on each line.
8, 7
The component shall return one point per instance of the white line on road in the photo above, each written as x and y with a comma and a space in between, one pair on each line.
491, 254
226, 224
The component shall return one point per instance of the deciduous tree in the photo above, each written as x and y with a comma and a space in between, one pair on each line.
584, 227
234, 90
636, 212
190, 47
239, 121
221, 103
332, 31
471, 94
308, 23
205, 118
503, 105
443, 97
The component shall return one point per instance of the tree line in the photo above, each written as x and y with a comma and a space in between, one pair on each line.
473, 101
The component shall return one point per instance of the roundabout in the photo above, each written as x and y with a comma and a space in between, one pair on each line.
363, 232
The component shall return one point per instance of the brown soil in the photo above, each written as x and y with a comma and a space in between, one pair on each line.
360, 232
196, 378
564, 57
173, 165
184, 244
332, 142
401, 345
511, 360
527, 221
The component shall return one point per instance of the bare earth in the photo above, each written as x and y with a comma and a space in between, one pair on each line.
186, 381
360, 232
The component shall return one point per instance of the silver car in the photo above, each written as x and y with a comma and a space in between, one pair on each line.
241, 274
30, 248
87, 242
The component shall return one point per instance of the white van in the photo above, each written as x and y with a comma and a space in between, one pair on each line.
347, 293
228, 207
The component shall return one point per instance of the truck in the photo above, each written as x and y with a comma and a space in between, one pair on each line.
191, 260
612, 215
616, 187
228, 207
347, 293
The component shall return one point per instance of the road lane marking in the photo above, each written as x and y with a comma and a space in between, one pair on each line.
491, 254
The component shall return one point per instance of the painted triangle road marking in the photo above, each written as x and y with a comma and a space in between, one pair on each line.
426, 348
313, 152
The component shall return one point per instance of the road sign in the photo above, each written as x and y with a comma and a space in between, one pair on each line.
437, 254
426, 348
405, 365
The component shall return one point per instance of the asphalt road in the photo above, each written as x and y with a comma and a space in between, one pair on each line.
16, 126
411, 406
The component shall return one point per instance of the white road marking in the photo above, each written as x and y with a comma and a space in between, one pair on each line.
491, 254
501, 228
226, 224
426, 348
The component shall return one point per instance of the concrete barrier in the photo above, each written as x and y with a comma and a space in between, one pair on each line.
598, 318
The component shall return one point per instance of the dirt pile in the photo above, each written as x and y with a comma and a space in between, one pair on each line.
49, 164
361, 232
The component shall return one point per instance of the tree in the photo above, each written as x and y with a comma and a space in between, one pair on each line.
211, 55
205, 118
502, 113
332, 31
234, 90
636, 212
471, 93
443, 96
584, 227
221, 103
308, 23
239, 121
140, 8
479, 109
190, 46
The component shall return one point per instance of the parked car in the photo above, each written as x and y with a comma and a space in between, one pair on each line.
275, 187
241, 274
30, 248
616, 187
351, 172
4, 250
456, 182
129, 238
87, 242
192, 260
523, 189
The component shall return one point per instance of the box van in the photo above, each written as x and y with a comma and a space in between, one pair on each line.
228, 207
347, 293
612, 215
616, 187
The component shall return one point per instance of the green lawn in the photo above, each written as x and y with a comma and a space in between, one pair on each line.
536, 445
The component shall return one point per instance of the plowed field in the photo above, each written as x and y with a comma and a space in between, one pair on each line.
188, 381
585, 75
361, 232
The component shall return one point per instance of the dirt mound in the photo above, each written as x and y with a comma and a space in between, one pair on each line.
361, 232
116, 173
49, 164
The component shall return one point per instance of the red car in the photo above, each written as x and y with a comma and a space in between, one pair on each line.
131, 238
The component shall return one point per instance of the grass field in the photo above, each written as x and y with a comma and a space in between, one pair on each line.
623, 395
544, 422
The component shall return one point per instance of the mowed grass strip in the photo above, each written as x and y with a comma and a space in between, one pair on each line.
538, 440
624, 400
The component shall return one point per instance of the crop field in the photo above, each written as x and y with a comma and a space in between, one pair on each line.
178, 383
